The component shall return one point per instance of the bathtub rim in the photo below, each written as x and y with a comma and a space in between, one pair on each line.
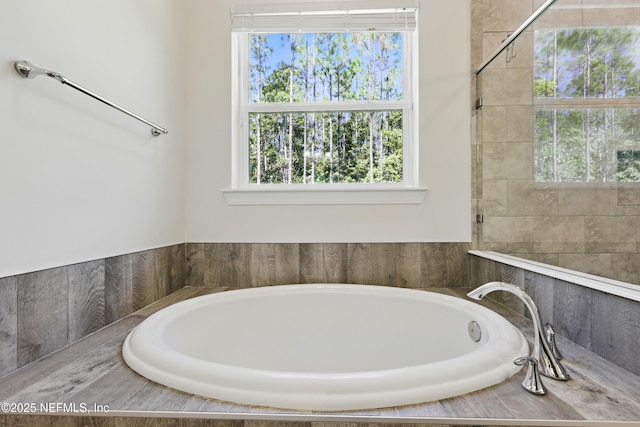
400, 386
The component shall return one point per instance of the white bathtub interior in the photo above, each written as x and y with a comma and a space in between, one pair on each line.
325, 346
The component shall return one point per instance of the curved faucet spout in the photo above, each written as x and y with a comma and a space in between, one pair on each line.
549, 364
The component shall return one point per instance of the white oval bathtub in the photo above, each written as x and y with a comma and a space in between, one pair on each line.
325, 347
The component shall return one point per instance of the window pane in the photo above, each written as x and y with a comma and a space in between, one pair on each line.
325, 67
337, 147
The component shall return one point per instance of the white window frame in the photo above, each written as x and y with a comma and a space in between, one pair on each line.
243, 192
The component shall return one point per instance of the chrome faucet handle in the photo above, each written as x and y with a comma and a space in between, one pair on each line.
548, 363
532, 381
551, 339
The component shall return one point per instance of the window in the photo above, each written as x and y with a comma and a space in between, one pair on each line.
586, 88
325, 103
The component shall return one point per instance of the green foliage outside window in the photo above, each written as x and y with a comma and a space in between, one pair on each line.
334, 145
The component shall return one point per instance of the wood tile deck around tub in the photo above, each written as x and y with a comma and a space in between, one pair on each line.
88, 383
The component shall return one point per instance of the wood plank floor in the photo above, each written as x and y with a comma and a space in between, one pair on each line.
90, 375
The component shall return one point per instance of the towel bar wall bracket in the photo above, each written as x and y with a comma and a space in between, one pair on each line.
30, 71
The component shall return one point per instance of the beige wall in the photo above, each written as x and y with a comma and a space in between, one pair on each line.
82, 181
78, 179
444, 145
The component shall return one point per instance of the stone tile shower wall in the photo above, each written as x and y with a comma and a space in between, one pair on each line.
43, 311
594, 227
46, 310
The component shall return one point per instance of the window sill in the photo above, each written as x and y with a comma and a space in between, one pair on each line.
325, 194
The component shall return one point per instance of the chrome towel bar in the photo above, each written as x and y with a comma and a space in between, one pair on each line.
30, 71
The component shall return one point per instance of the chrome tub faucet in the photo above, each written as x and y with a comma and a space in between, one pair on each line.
545, 356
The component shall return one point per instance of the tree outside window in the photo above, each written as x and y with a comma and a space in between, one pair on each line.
317, 92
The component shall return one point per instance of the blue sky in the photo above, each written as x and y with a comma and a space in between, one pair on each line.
281, 53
